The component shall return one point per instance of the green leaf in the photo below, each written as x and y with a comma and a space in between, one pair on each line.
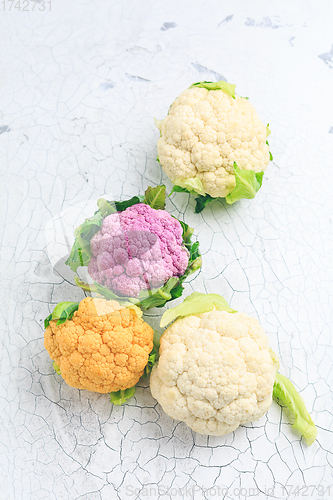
268, 132
196, 303
122, 205
47, 321
79, 256
120, 397
177, 292
248, 184
154, 354
270, 154
150, 364
194, 252
106, 207
146, 300
228, 88
193, 266
169, 285
195, 260
178, 189
62, 312
173, 288
104, 292
159, 297
274, 358
196, 264
286, 393
155, 197
81, 251
192, 185
187, 233
201, 202
156, 300
56, 368
158, 124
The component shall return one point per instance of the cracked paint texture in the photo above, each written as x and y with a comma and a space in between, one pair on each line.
80, 88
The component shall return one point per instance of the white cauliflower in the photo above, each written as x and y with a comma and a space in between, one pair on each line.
215, 371
205, 134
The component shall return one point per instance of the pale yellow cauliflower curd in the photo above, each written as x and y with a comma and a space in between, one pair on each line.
103, 348
205, 132
215, 372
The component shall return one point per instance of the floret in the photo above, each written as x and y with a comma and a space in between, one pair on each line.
103, 347
215, 371
138, 249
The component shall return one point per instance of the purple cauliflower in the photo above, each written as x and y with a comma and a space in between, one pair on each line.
137, 249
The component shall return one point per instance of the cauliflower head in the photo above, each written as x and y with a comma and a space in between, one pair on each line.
215, 371
104, 347
137, 249
205, 133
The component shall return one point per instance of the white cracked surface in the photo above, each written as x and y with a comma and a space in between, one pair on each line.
80, 87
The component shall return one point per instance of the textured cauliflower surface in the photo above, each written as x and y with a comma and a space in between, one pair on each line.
103, 348
203, 135
215, 371
137, 249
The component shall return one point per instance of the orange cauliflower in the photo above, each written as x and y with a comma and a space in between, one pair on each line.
104, 347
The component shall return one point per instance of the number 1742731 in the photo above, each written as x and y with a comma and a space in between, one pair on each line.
25, 5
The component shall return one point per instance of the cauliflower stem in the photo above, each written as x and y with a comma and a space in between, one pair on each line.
285, 394
120, 397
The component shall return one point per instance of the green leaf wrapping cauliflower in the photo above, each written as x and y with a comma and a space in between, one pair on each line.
135, 251
216, 370
209, 133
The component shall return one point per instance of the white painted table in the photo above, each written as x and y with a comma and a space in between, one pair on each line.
80, 86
